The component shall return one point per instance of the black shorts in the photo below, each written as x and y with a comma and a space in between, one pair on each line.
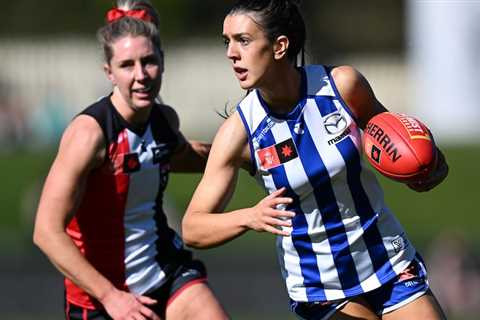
184, 276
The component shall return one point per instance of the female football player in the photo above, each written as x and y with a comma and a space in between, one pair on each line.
100, 218
343, 254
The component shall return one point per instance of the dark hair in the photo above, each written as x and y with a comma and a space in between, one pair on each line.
128, 25
276, 18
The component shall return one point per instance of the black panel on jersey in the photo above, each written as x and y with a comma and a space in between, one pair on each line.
167, 140
112, 123
169, 257
103, 112
160, 126
163, 134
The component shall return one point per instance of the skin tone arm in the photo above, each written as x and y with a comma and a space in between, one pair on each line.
191, 156
61, 194
358, 95
201, 226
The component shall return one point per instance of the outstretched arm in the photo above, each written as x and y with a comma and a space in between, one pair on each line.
202, 227
82, 148
358, 95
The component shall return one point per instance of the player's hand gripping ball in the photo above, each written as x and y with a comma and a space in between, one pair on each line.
400, 147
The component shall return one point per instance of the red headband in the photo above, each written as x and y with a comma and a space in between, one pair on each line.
115, 14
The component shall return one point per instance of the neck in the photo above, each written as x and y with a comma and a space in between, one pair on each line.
283, 90
131, 114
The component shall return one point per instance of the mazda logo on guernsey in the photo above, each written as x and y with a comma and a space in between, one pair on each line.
335, 123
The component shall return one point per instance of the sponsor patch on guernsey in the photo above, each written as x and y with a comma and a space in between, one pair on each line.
131, 163
274, 155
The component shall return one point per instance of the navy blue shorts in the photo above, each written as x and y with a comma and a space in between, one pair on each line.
186, 275
406, 287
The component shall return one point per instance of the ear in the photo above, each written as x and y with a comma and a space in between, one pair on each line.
280, 47
108, 71
162, 59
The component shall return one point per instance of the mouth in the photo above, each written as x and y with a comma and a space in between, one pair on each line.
144, 92
241, 73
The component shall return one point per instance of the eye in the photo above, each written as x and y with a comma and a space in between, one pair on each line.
226, 42
244, 41
152, 60
126, 64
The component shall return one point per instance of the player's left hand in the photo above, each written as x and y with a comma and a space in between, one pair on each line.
438, 174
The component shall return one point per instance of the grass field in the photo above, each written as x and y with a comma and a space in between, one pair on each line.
451, 206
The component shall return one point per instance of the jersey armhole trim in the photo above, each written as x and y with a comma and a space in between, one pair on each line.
328, 70
178, 134
253, 163
104, 133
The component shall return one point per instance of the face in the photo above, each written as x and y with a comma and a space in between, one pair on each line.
136, 70
249, 50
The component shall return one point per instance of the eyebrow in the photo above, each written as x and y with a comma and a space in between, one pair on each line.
237, 35
147, 57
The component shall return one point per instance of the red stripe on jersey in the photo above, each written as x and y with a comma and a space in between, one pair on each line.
98, 226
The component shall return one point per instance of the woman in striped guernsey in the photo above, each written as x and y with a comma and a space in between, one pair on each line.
343, 254
100, 219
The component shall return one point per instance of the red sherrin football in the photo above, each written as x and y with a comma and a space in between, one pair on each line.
399, 146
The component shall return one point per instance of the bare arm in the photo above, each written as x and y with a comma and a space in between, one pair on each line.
202, 226
357, 93
82, 148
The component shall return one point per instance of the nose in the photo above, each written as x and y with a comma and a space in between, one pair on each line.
232, 52
140, 72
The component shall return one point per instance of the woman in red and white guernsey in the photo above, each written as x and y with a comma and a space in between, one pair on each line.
100, 218
342, 252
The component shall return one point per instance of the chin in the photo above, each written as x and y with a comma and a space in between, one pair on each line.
143, 104
246, 85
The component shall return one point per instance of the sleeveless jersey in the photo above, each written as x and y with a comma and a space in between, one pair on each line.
120, 226
344, 241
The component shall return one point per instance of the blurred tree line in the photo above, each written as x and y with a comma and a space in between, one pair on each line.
334, 26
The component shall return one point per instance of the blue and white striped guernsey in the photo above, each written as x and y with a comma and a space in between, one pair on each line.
344, 241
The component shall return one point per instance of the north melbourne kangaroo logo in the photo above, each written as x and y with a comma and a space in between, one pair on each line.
335, 123
298, 128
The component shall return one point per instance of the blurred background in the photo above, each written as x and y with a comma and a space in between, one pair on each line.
421, 58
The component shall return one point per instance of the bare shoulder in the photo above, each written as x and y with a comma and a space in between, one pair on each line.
83, 140
231, 140
345, 73
351, 84
357, 93
84, 129
233, 124
232, 130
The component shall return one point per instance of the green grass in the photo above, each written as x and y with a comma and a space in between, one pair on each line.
22, 175
449, 207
